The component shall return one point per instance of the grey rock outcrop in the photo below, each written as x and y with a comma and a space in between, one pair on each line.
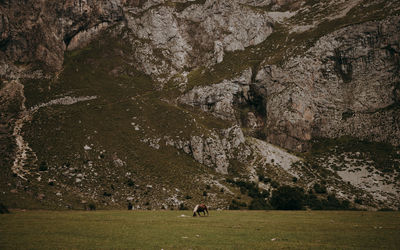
36, 33
219, 99
170, 40
346, 84
214, 150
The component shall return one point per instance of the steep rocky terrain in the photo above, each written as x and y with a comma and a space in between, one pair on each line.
168, 103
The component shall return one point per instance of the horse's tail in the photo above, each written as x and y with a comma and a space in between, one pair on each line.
195, 210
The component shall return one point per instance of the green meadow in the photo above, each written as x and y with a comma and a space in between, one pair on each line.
220, 230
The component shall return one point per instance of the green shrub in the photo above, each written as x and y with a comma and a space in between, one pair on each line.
265, 194
236, 205
254, 192
92, 206
259, 204
313, 202
251, 189
358, 201
107, 194
333, 203
266, 180
274, 184
386, 209
288, 198
319, 189
330, 203
43, 166
130, 182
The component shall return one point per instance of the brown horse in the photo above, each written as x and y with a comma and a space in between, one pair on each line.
200, 208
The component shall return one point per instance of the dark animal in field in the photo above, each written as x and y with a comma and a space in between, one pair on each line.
200, 208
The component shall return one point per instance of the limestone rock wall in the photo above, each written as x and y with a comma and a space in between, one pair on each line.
172, 39
38, 32
346, 84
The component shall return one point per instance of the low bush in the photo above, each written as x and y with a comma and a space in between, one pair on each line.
386, 209
130, 182
274, 184
319, 189
92, 206
288, 198
259, 204
107, 194
333, 203
43, 166
236, 205
266, 180
330, 203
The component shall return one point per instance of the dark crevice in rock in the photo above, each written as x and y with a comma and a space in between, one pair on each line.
254, 71
395, 57
396, 93
343, 66
4, 43
347, 114
68, 37
257, 101
252, 113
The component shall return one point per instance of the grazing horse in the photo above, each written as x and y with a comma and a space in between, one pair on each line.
200, 208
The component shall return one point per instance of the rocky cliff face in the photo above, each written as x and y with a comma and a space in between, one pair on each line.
346, 84
193, 33
35, 34
100, 97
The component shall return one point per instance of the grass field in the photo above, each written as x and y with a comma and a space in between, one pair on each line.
221, 230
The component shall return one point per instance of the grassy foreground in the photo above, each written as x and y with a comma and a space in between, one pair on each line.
221, 230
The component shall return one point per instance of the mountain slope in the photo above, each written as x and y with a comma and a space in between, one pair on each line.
166, 104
